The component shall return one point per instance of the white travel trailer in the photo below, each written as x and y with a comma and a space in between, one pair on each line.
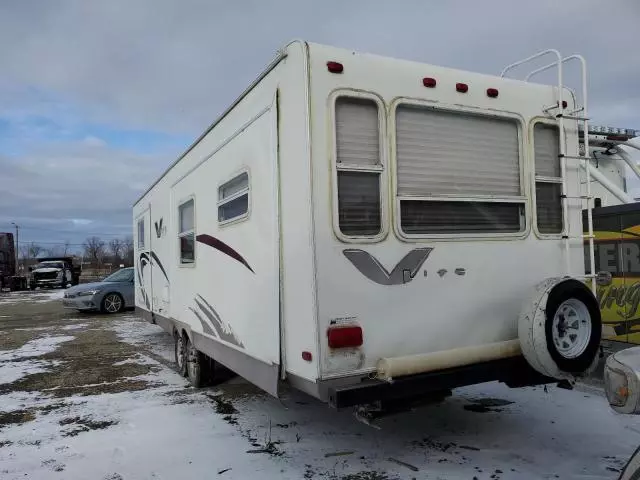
367, 229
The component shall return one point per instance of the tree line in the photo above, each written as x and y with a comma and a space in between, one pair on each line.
95, 251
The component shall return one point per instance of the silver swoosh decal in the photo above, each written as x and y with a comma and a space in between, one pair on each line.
402, 273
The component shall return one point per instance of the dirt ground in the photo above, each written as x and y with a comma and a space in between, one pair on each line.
90, 396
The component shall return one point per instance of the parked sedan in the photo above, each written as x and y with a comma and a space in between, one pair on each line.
111, 295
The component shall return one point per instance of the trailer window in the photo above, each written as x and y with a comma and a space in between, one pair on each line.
233, 198
359, 166
546, 144
458, 173
187, 235
140, 234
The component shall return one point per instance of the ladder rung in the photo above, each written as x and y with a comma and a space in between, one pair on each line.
576, 197
571, 117
574, 157
577, 110
588, 236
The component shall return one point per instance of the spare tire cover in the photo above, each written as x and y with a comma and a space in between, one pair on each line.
560, 328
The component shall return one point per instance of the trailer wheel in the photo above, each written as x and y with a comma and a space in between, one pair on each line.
198, 366
560, 329
180, 352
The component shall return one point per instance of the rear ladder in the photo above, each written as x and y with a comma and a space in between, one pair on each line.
579, 114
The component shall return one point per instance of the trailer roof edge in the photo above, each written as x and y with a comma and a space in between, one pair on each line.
281, 55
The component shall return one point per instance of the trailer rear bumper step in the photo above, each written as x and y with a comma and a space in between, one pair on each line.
515, 372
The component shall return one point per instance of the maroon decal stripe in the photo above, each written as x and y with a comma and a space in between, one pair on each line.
223, 247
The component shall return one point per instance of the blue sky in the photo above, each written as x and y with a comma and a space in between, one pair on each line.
97, 98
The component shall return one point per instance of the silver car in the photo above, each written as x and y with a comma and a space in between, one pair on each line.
111, 295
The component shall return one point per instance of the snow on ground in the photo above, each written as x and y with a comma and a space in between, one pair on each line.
16, 364
35, 348
39, 296
13, 371
169, 431
139, 333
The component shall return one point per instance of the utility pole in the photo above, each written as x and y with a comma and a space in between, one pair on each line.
17, 243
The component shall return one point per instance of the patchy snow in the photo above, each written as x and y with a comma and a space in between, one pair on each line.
139, 359
135, 332
75, 326
39, 296
16, 364
170, 430
35, 348
11, 371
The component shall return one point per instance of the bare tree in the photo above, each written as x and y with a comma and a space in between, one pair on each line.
33, 250
94, 250
65, 248
116, 246
127, 250
53, 251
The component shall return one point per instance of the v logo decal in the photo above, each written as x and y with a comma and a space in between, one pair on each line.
402, 273
158, 226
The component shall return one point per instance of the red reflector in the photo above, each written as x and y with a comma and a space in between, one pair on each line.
492, 92
335, 67
617, 138
462, 87
429, 82
342, 337
306, 356
564, 104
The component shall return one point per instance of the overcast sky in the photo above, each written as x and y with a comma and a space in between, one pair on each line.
98, 97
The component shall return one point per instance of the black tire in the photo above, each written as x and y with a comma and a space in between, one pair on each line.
573, 289
180, 353
112, 303
199, 366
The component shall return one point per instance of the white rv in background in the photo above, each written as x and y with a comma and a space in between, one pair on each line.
368, 229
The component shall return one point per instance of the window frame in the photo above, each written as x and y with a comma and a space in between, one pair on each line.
139, 221
184, 201
246, 215
542, 178
382, 169
524, 199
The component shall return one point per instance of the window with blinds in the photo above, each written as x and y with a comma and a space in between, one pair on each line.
359, 166
546, 145
445, 159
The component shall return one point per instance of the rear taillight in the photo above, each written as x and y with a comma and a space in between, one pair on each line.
344, 337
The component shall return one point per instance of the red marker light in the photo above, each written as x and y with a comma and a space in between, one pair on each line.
429, 82
462, 87
564, 104
344, 337
306, 356
492, 92
335, 67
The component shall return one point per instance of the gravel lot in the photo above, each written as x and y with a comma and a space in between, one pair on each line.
87, 396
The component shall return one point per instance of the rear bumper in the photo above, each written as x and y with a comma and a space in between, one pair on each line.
515, 372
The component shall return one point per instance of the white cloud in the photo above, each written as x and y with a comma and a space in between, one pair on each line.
173, 66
